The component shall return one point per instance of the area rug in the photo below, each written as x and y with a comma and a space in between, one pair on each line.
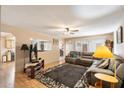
63, 76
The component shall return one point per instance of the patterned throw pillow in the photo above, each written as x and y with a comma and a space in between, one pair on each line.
104, 64
112, 63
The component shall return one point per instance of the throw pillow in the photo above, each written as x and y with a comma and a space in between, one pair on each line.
98, 62
74, 55
111, 64
104, 64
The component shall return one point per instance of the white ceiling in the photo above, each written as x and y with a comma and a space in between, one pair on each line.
90, 20
92, 12
4, 34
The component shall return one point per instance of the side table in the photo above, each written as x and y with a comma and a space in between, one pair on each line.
107, 78
34, 68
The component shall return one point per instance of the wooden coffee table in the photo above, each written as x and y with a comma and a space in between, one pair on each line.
107, 78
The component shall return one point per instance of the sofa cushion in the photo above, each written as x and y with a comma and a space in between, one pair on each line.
111, 64
100, 70
84, 62
120, 82
74, 54
97, 62
103, 64
88, 57
87, 53
70, 59
120, 71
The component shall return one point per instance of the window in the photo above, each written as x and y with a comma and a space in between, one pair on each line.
42, 45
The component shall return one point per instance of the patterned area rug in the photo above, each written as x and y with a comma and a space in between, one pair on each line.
63, 76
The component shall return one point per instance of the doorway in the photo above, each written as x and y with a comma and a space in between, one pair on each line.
7, 48
7, 59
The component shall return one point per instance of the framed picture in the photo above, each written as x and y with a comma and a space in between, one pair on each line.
120, 35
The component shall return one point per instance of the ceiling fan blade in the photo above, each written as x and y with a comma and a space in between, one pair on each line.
74, 30
51, 27
60, 31
72, 33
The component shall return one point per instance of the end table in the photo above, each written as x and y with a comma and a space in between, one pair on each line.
107, 78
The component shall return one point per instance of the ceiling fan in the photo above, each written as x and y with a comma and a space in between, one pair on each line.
66, 30
71, 31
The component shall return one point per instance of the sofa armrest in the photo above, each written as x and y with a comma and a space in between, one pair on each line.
100, 70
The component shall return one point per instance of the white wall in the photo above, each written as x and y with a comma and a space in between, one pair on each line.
3, 49
23, 36
119, 48
92, 42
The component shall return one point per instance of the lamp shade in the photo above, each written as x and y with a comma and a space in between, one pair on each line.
24, 47
102, 52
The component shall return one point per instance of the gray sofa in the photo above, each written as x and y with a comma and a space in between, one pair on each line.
91, 79
86, 59
80, 58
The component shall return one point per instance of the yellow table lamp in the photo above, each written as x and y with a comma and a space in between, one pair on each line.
104, 52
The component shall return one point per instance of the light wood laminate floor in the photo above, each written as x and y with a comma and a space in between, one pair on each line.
7, 74
22, 81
